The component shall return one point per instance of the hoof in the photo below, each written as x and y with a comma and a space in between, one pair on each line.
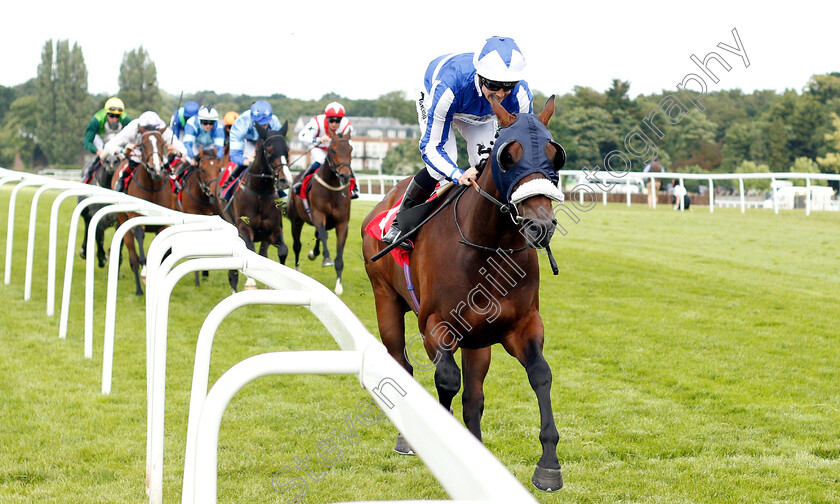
402, 447
311, 255
143, 272
82, 253
327, 262
547, 480
251, 284
338, 288
297, 268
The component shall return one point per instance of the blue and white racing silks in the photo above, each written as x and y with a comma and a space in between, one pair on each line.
452, 92
195, 137
243, 130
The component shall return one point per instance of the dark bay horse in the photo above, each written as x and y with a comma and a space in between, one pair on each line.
256, 208
102, 178
329, 206
150, 181
476, 277
199, 184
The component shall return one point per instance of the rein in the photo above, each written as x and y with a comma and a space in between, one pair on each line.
456, 194
263, 175
517, 220
203, 186
334, 167
503, 208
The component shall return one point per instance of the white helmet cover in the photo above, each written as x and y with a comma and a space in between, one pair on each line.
500, 59
205, 114
150, 120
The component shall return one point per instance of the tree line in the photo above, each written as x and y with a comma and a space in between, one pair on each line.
44, 119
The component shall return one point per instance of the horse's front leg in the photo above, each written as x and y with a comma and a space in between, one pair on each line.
390, 317
101, 256
527, 347
475, 364
86, 216
282, 248
316, 250
320, 222
297, 227
133, 260
340, 239
140, 233
440, 344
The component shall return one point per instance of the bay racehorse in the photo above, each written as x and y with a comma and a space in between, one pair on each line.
150, 181
327, 206
474, 277
256, 207
199, 182
101, 177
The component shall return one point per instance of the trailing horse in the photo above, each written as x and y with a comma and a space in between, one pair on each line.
150, 181
199, 185
325, 204
255, 207
473, 277
101, 177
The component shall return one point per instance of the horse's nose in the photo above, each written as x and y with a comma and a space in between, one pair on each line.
344, 178
537, 232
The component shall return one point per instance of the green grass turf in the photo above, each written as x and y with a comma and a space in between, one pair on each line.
695, 359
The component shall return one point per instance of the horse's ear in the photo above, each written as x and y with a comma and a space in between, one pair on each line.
260, 129
547, 111
141, 129
505, 118
285, 128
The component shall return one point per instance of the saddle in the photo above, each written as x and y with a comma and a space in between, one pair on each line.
411, 219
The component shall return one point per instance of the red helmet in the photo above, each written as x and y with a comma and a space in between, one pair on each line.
334, 109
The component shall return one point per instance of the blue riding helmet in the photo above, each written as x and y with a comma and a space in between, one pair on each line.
190, 109
261, 112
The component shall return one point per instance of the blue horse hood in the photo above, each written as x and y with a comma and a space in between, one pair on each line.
533, 136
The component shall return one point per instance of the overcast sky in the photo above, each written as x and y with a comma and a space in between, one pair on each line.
364, 48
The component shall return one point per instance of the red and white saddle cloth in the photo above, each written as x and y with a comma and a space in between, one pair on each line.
380, 225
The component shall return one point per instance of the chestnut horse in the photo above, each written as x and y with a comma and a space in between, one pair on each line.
475, 277
150, 181
328, 203
199, 185
255, 207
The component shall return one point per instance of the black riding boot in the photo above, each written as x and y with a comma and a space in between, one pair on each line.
415, 194
310, 170
120, 185
354, 194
